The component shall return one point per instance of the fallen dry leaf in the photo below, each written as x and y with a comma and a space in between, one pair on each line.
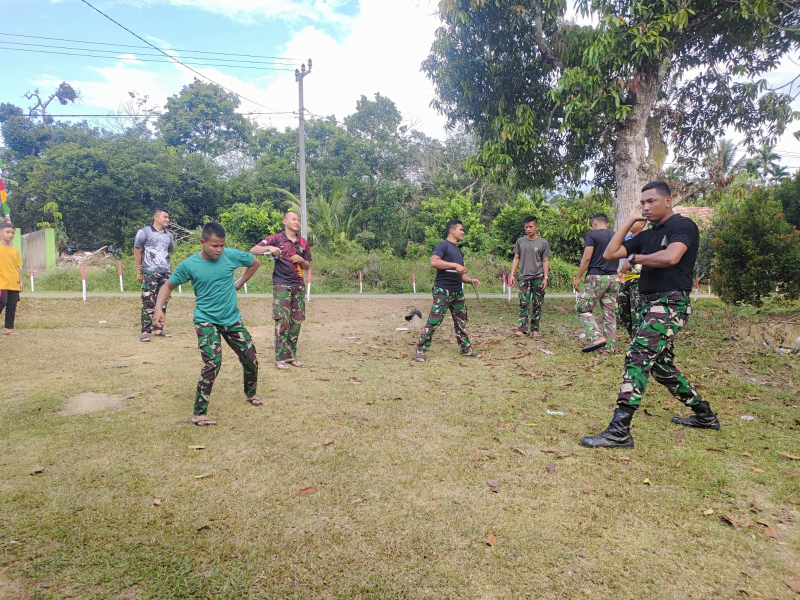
795, 473
720, 450
133, 395
196, 447
680, 463
565, 383
749, 523
769, 529
708, 511
757, 470
551, 468
156, 501
493, 485
756, 505
586, 491
789, 456
37, 470
746, 454
323, 378
520, 451
308, 490
491, 540
794, 585
622, 458
204, 527
549, 450
730, 520
328, 443
482, 458
204, 476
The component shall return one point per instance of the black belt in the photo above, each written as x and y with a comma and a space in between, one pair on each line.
658, 295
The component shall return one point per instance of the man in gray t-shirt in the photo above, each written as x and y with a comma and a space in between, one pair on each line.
532, 255
151, 250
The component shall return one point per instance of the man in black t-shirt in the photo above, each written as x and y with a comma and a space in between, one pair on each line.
448, 292
600, 286
667, 253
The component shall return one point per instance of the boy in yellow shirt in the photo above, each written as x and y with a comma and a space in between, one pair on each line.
10, 276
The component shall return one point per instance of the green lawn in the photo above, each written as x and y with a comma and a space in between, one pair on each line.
400, 455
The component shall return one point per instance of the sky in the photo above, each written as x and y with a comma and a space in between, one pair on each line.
358, 47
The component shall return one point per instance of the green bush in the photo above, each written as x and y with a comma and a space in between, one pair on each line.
247, 224
755, 251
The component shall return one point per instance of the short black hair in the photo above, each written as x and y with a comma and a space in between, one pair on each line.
659, 186
600, 217
5, 225
449, 225
214, 229
531, 219
160, 210
291, 210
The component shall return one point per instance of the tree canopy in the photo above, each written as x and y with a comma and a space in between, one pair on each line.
552, 100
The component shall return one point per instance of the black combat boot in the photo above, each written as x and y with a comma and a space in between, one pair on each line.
617, 435
702, 418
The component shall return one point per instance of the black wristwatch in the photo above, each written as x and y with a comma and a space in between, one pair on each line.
630, 259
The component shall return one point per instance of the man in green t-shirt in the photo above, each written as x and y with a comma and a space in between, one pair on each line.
216, 313
532, 255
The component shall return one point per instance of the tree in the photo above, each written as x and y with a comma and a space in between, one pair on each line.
767, 160
788, 194
202, 118
550, 98
64, 93
755, 250
247, 224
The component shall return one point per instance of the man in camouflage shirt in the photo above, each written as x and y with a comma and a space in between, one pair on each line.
288, 287
667, 253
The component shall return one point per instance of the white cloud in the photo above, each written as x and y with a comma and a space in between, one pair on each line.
325, 11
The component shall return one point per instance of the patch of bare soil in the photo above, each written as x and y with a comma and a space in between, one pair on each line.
89, 402
10, 589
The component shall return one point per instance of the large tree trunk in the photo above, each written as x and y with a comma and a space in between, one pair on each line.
633, 165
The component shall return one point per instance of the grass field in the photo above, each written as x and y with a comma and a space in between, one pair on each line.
120, 503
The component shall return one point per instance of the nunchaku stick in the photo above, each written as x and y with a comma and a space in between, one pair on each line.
474, 287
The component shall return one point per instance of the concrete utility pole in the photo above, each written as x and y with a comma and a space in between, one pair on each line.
299, 75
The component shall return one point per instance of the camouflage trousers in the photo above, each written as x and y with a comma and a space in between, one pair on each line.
151, 285
531, 297
209, 340
651, 351
599, 288
628, 306
442, 301
289, 312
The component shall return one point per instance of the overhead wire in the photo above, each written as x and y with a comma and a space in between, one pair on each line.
148, 60
39, 37
195, 71
121, 51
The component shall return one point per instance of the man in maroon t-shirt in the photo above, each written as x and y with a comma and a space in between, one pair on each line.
293, 258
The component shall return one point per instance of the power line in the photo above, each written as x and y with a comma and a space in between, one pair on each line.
172, 58
120, 50
291, 114
148, 60
39, 37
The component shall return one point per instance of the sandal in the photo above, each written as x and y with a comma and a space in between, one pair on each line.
203, 421
11, 332
256, 400
162, 333
281, 364
294, 362
419, 355
145, 337
471, 354
595, 345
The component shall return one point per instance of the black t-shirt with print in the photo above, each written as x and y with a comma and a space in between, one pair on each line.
677, 277
448, 252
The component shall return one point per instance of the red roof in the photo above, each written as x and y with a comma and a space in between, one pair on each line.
698, 214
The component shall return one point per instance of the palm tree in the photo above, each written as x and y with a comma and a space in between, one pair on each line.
778, 173
722, 164
767, 159
329, 223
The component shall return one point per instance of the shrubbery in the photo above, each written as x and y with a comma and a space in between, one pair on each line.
755, 251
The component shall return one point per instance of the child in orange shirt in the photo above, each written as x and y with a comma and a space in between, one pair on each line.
10, 276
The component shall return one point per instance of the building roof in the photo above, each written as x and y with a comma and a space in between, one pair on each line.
698, 214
